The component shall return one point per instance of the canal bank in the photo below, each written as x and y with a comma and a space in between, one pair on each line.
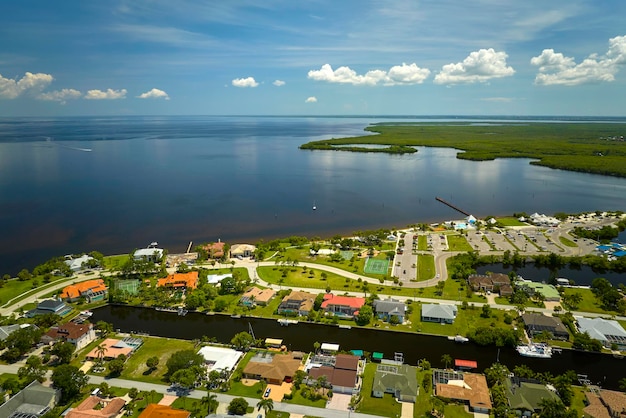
601, 369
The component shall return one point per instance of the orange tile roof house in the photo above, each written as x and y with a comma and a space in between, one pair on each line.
180, 280
163, 411
281, 368
297, 303
343, 306
92, 290
471, 388
87, 408
215, 249
255, 296
78, 334
112, 350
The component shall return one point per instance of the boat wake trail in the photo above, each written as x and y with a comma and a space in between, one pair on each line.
51, 141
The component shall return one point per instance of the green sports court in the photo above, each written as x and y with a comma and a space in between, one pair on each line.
376, 266
129, 286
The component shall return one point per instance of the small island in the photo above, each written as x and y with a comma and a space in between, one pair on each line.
597, 148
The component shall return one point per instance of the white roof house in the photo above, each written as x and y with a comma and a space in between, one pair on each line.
150, 253
434, 312
76, 264
216, 278
608, 332
220, 358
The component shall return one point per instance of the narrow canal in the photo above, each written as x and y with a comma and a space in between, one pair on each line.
601, 369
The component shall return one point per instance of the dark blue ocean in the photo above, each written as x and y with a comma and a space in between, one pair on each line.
113, 184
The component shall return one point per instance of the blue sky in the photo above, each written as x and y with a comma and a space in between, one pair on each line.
317, 57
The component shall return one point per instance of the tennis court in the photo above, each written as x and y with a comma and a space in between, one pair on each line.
376, 266
347, 255
129, 286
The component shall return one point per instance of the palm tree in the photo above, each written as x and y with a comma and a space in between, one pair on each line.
446, 359
209, 401
267, 404
263, 383
101, 351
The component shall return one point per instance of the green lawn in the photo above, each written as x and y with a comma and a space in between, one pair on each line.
456, 411
18, 290
386, 406
298, 399
422, 404
589, 303
425, 267
163, 348
510, 221
567, 242
297, 277
280, 414
458, 243
113, 262
422, 242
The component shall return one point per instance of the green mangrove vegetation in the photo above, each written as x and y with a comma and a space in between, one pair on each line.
596, 148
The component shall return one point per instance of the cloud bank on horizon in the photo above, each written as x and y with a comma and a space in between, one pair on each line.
382, 57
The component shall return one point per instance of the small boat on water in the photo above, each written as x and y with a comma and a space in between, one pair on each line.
535, 350
285, 322
458, 339
182, 311
86, 313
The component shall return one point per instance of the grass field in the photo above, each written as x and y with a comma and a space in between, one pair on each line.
458, 243
510, 221
425, 267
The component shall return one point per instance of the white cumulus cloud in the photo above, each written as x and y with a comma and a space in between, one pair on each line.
397, 75
245, 82
154, 94
479, 67
109, 94
60, 95
278, 83
311, 99
29, 84
557, 69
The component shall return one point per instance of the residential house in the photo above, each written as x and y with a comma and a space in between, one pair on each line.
526, 394
280, 369
31, 402
549, 292
607, 331
78, 334
215, 250
92, 290
399, 380
296, 303
442, 313
493, 282
163, 411
605, 404
536, 323
469, 388
112, 349
242, 251
342, 306
79, 263
50, 306
96, 407
180, 281
149, 254
255, 296
7, 330
342, 375
390, 308
220, 358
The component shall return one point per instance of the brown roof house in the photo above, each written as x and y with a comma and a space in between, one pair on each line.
343, 375
78, 334
281, 368
493, 282
297, 303
470, 388
255, 296
606, 404
536, 323
215, 250
96, 407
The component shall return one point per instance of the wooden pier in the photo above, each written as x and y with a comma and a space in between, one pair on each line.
452, 206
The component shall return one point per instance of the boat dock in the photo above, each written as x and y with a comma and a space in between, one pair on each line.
451, 206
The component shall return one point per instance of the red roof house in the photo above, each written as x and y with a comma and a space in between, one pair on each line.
343, 306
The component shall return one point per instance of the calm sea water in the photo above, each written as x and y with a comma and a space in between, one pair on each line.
118, 183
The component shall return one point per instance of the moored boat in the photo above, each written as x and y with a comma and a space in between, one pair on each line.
536, 350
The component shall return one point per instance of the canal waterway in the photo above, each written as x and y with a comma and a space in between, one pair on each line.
600, 368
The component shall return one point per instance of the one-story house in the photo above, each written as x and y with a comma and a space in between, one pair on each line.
607, 331
152, 253
343, 375
296, 303
469, 388
163, 411
399, 380
388, 308
50, 306
549, 292
112, 349
255, 296
96, 407
536, 323
282, 367
242, 251
79, 263
342, 306
220, 358
442, 313
526, 395
180, 281
33, 401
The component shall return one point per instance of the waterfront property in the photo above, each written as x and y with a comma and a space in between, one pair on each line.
79, 335
605, 403
215, 250
494, 282
79, 263
273, 368
112, 348
96, 407
537, 323
180, 281
399, 380
31, 402
92, 290
341, 371
442, 313
220, 358
50, 306
255, 296
386, 309
525, 395
151, 253
242, 251
342, 306
296, 303
607, 331
549, 292
469, 388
